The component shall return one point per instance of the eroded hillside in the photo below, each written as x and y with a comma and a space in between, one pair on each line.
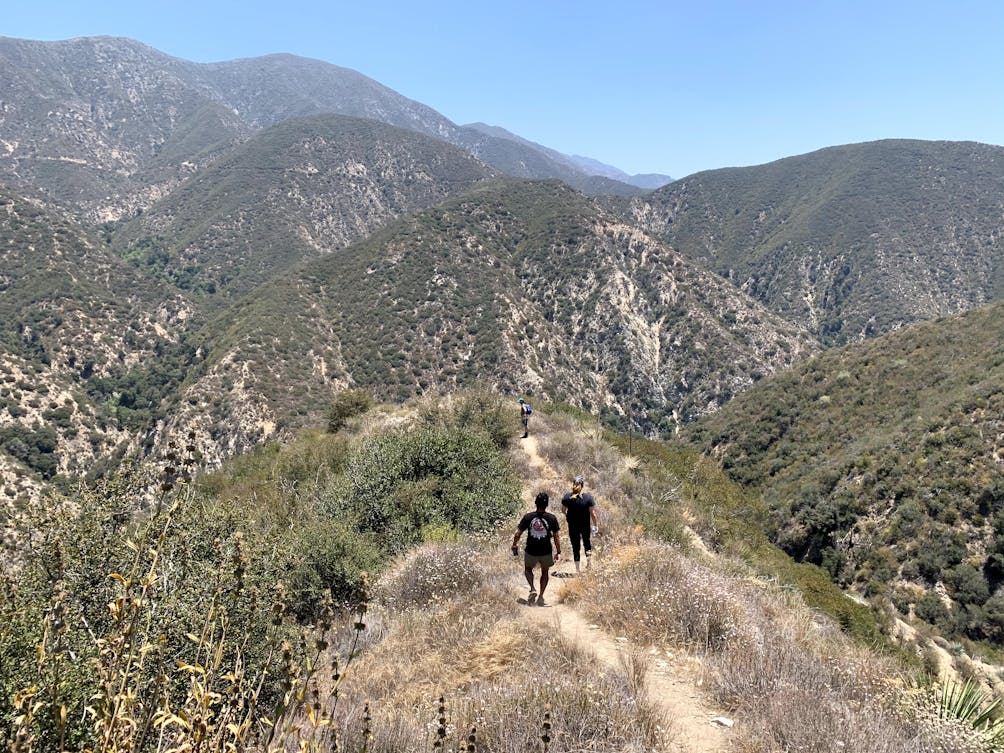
851, 241
73, 321
525, 286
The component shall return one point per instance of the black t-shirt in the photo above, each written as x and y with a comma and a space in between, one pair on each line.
578, 505
539, 526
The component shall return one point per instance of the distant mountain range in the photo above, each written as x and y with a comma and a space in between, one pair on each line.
585, 164
105, 126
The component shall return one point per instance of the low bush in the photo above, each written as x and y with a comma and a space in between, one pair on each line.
479, 411
346, 405
324, 560
662, 596
430, 573
401, 482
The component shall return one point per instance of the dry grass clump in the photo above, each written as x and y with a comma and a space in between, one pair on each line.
573, 451
946, 732
795, 719
806, 686
823, 720
794, 699
428, 597
597, 713
654, 594
430, 573
655, 506
439, 646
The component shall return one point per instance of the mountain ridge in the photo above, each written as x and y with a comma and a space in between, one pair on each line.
95, 95
822, 238
882, 461
524, 286
301, 188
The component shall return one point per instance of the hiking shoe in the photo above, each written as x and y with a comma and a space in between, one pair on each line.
540, 602
532, 597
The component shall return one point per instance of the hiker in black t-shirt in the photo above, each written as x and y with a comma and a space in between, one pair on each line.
580, 515
542, 528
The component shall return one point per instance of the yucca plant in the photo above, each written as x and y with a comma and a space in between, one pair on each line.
968, 702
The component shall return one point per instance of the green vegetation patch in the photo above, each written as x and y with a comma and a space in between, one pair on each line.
878, 463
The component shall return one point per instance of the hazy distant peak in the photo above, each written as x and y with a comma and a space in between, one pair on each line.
649, 181
498, 131
582, 165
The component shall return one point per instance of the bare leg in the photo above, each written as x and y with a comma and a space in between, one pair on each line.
528, 572
544, 578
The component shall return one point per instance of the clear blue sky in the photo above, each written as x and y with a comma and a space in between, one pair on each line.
648, 86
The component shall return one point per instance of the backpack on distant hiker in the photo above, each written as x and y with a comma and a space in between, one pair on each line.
529, 410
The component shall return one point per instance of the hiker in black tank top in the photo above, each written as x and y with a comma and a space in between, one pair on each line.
580, 515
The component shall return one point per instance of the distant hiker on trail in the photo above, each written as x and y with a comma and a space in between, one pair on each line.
524, 416
542, 529
580, 515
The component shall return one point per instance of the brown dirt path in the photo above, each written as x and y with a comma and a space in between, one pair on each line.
672, 680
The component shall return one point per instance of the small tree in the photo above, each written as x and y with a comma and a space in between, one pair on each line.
347, 403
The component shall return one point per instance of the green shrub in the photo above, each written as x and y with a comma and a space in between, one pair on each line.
479, 410
402, 481
34, 447
932, 610
99, 586
347, 404
325, 560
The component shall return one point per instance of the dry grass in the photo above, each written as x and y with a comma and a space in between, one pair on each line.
794, 679
497, 673
431, 573
572, 450
655, 594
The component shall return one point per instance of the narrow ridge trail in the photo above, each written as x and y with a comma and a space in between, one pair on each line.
672, 680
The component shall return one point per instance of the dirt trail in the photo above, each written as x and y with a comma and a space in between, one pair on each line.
672, 680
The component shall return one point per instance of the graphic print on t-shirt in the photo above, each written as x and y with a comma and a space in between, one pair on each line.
538, 528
